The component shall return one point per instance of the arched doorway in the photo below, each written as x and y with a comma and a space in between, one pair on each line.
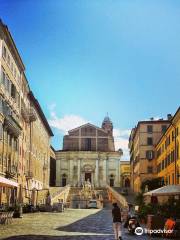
111, 180
64, 180
127, 183
88, 173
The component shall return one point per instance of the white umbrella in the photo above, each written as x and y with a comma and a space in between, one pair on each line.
165, 191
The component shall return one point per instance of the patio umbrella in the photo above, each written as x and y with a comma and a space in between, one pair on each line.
169, 190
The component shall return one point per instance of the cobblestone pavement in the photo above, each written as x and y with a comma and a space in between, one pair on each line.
82, 224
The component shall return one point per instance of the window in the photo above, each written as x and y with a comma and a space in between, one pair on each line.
167, 142
8, 59
177, 131
13, 91
149, 128
149, 155
158, 152
3, 77
163, 128
169, 159
149, 141
173, 178
1, 131
4, 52
162, 166
149, 169
159, 167
172, 156
166, 162
173, 136
88, 144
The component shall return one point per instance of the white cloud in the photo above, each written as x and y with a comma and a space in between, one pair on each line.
121, 133
121, 140
65, 123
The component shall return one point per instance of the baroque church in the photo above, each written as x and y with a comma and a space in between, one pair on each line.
89, 155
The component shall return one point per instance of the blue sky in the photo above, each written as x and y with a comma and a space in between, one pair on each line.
84, 58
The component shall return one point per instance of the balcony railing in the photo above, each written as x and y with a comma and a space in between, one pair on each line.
29, 115
13, 127
32, 115
11, 172
24, 112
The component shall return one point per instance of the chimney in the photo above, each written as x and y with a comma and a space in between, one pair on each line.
169, 116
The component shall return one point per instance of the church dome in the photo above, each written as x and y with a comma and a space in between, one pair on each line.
107, 119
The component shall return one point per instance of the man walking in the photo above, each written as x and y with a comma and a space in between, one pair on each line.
116, 215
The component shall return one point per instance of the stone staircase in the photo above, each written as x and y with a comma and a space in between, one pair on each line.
130, 196
55, 192
74, 193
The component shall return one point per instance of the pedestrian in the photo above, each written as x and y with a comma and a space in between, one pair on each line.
116, 215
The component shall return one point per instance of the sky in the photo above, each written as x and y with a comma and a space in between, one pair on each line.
85, 58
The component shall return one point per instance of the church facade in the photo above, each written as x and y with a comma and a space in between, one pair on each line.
89, 154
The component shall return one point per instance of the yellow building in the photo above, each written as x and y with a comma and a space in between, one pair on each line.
125, 174
24, 131
167, 149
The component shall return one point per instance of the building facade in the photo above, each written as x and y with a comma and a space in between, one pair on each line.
24, 130
52, 177
88, 155
125, 174
142, 142
168, 149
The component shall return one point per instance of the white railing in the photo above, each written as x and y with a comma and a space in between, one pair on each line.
117, 196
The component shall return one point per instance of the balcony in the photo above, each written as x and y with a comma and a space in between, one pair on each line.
32, 115
11, 171
29, 115
24, 112
12, 126
29, 175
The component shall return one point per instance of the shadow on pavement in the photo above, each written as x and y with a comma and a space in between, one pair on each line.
99, 222
45, 237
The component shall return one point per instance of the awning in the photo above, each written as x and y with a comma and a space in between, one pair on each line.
168, 190
4, 182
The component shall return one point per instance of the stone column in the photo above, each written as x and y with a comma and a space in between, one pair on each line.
70, 172
79, 172
58, 172
97, 173
105, 171
92, 179
117, 172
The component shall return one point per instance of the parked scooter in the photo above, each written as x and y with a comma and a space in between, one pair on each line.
133, 224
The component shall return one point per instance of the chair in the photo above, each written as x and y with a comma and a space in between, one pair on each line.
9, 217
3, 217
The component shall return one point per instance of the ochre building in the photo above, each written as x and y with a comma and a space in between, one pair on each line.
125, 174
168, 157
88, 154
24, 131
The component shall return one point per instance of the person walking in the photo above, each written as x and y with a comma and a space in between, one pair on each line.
116, 215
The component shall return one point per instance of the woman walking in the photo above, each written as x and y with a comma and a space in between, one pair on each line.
116, 215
